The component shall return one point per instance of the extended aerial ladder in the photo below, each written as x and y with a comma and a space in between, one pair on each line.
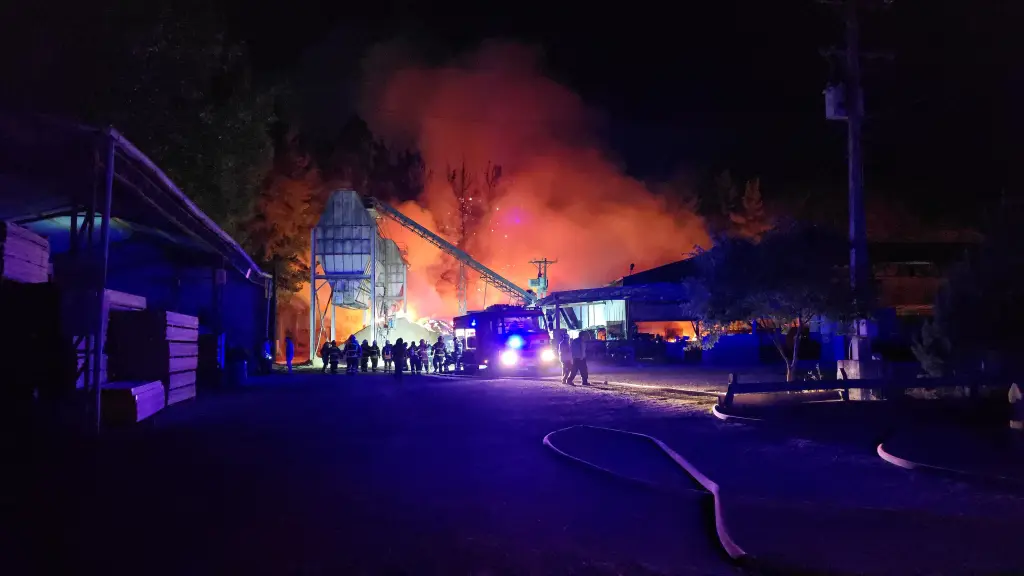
489, 276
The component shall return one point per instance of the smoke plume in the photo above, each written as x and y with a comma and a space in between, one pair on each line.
560, 196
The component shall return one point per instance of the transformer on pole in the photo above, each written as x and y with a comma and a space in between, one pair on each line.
540, 283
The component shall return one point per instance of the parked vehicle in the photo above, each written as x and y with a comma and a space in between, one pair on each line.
505, 339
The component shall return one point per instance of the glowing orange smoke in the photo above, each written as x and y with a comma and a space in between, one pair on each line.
562, 196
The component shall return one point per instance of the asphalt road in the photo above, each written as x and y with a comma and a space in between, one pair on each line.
312, 474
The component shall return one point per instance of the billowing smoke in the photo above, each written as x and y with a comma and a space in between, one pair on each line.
560, 195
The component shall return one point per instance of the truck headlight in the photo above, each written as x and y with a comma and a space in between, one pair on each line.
548, 355
509, 358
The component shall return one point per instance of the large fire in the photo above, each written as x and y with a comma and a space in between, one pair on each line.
561, 196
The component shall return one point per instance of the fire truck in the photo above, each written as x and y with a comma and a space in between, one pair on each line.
505, 339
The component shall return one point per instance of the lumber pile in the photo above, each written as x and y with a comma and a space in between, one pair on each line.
131, 402
155, 345
112, 300
24, 255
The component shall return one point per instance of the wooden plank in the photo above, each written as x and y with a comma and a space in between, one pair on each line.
179, 334
181, 394
182, 320
179, 349
8, 230
133, 388
179, 379
24, 272
182, 364
24, 250
116, 300
150, 325
149, 367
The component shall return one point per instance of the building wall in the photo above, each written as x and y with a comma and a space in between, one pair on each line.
171, 279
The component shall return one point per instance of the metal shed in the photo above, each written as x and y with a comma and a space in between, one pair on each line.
115, 220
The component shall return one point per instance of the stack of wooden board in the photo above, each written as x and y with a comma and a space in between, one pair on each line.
24, 255
130, 402
112, 300
155, 345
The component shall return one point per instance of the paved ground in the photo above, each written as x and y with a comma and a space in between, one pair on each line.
312, 474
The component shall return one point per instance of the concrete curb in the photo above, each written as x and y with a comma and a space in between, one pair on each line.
728, 544
912, 465
653, 387
665, 389
717, 412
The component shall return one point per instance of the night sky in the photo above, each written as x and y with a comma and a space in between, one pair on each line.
705, 86
736, 84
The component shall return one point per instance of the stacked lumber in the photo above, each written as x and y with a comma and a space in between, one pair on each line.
112, 300
155, 345
24, 255
131, 402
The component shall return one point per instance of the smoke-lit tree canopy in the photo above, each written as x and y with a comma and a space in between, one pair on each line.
792, 275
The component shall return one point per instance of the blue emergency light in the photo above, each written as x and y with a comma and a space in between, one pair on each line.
515, 342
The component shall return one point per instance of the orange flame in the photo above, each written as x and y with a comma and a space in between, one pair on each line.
561, 196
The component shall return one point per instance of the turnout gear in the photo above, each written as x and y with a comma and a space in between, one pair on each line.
400, 351
333, 357
579, 359
438, 351
351, 355
324, 352
374, 355
565, 357
364, 355
388, 354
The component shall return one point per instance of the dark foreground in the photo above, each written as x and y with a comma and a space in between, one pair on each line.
309, 474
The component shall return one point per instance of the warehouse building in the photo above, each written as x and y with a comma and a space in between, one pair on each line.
116, 222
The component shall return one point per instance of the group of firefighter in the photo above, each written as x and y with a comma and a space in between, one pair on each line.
572, 353
397, 358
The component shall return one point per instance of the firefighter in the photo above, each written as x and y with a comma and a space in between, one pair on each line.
333, 356
324, 353
457, 354
438, 350
565, 356
579, 359
289, 351
400, 352
364, 355
374, 356
351, 355
423, 352
387, 353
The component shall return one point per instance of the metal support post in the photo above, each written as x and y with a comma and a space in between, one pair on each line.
334, 322
405, 288
101, 320
373, 284
312, 294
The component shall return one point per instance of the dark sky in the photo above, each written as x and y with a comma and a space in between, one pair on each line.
709, 85
736, 84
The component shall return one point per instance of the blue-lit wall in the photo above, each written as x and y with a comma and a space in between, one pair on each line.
181, 280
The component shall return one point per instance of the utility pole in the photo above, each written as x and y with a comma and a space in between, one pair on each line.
847, 104
540, 284
860, 268
461, 183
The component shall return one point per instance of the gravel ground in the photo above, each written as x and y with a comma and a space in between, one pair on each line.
312, 474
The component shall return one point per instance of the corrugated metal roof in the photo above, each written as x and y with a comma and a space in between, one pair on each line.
49, 166
657, 292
